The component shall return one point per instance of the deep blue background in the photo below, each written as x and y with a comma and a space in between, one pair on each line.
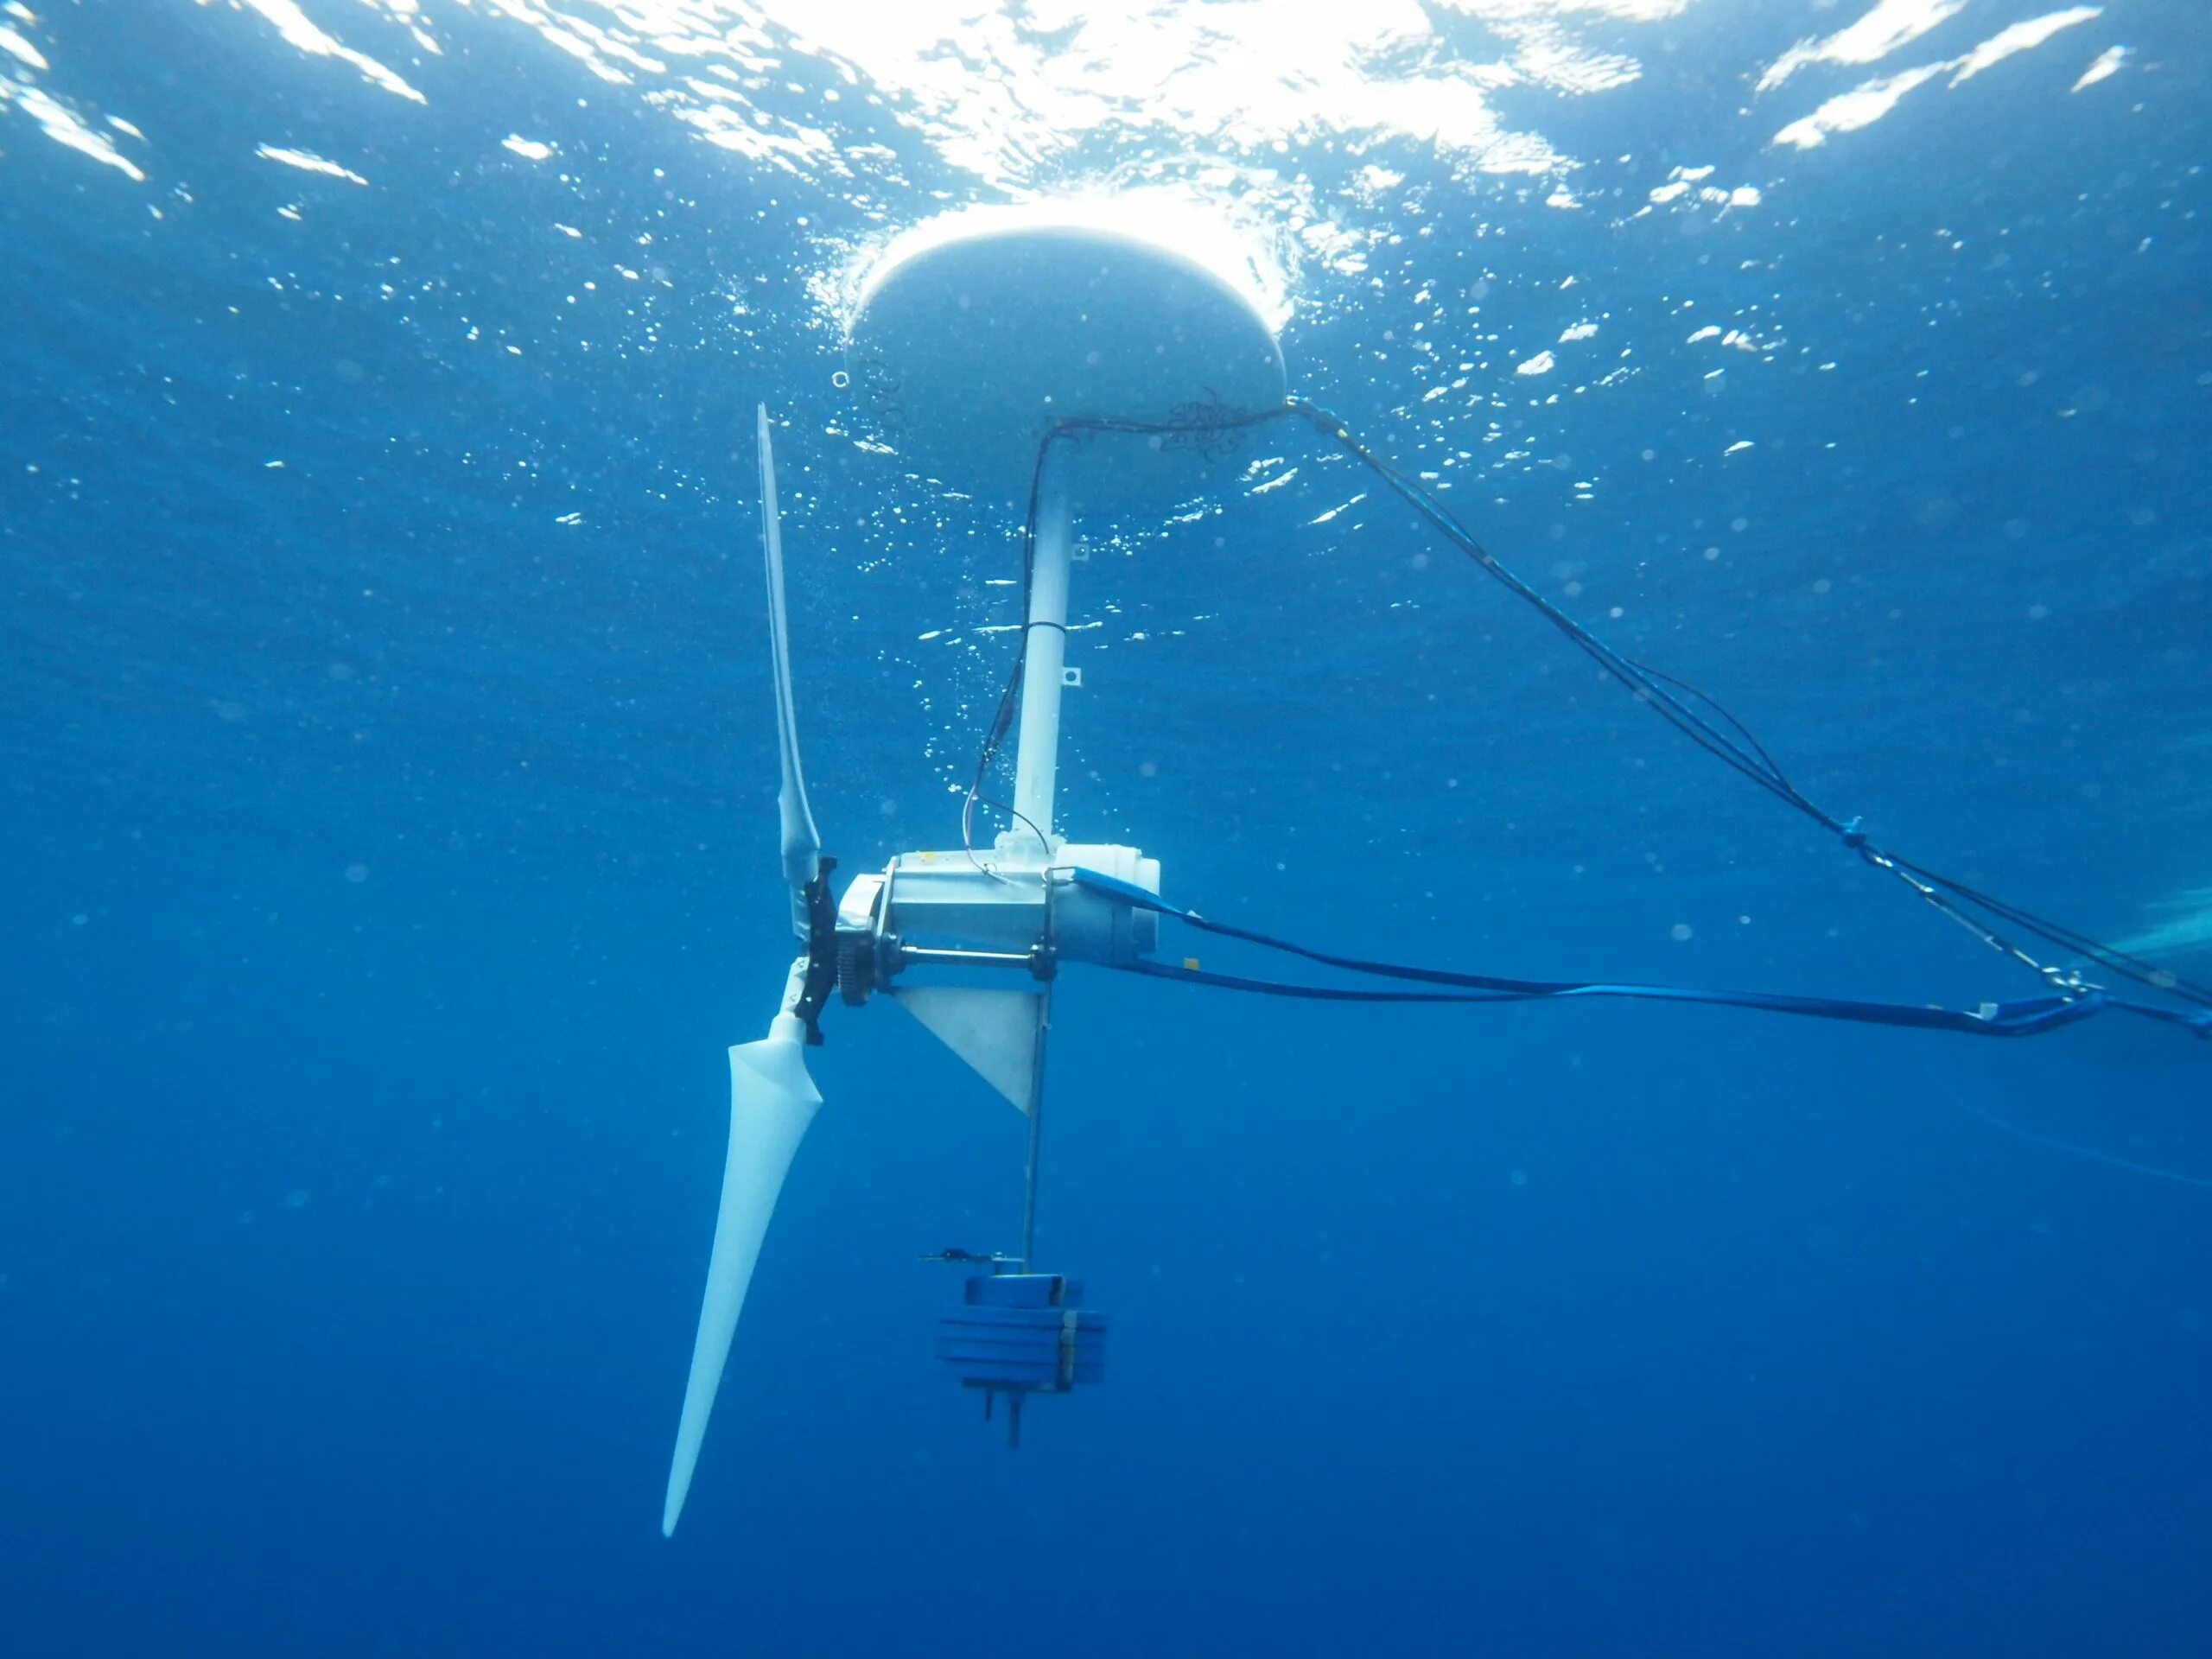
351, 1230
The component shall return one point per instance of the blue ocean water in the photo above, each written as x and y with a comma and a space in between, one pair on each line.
386, 799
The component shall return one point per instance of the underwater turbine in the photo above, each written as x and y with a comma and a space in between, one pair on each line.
974, 347
995, 350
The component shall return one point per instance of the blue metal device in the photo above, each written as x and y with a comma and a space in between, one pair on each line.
1019, 1333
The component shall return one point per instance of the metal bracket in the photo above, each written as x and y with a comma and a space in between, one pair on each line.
996, 1261
821, 952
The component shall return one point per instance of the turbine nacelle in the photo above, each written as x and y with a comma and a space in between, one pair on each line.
1021, 910
1018, 913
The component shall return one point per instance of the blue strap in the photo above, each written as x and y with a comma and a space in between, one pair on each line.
2028, 1018
2197, 1022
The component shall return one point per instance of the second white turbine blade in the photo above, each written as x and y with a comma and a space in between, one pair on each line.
771, 1100
802, 846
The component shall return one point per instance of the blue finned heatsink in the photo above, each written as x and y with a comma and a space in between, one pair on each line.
1021, 1333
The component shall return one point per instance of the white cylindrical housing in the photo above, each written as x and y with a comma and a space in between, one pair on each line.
1037, 758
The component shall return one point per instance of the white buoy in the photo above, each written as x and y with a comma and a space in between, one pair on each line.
974, 333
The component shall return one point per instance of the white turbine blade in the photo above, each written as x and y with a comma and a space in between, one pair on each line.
771, 1100
802, 845
995, 1033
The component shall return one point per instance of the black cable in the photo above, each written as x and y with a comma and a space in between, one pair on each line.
2020, 1018
1743, 731
1206, 425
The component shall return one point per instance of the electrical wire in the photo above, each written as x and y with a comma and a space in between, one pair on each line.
1724, 737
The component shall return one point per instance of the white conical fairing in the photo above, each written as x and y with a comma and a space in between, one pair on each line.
771, 1100
995, 1031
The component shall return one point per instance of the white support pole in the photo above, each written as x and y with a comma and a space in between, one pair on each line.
1037, 758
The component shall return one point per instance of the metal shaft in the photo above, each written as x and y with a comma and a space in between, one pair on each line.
1036, 1134
1036, 765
